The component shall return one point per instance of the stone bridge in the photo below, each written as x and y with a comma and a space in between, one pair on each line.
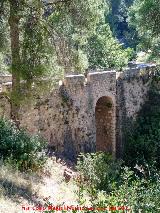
86, 114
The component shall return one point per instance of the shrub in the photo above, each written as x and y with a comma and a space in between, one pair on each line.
19, 148
139, 195
111, 185
98, 170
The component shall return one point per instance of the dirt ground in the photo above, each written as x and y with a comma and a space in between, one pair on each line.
20, 192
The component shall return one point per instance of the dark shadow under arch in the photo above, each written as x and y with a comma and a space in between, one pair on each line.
104, 114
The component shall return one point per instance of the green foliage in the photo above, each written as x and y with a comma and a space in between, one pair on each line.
35, 48
128, 191
119, 24
85, 40
19, 148
144, 16
138, 195
105, 52
3, 35
72, 24
98, 171
4, 44
3, 66
64, 37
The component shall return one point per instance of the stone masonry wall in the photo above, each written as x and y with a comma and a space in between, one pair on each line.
66, 116
133, 86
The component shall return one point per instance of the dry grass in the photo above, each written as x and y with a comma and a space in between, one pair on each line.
23, 189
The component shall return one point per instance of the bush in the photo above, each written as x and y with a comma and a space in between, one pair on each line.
111, 186
19, 148
98, 171
139, 195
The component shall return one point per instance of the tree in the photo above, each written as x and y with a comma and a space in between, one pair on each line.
119, 24
144, 15
13, 21
104, 51
32, 24
58, 36
93, 46
72, 25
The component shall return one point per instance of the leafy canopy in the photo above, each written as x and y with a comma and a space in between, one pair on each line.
56, 37
144, 16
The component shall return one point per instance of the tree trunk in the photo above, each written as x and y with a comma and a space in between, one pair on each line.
14, 20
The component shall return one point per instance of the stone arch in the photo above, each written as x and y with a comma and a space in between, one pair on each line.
105, 125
